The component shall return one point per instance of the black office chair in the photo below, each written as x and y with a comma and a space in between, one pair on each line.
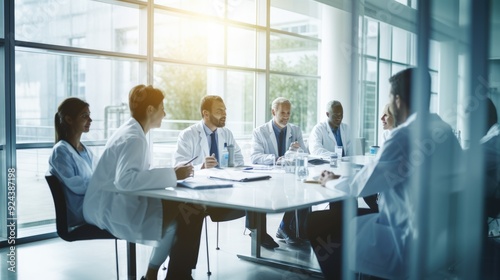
219, 215
81, 232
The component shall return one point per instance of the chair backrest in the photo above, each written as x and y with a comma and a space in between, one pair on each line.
81, 232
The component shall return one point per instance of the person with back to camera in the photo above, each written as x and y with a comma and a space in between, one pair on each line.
71, 161
326, 136
125, 167
380, 245
270, 141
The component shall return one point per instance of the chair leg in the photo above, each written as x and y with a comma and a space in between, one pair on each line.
116, 260
217, 247
208, 256
296, 223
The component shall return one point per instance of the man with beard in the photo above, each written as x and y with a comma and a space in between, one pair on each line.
205, 139
380, 242
325, 136
270, 142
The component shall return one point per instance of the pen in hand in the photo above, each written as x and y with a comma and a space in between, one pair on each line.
191, 160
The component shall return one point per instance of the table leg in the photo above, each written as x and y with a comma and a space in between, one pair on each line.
256, 234
131, 261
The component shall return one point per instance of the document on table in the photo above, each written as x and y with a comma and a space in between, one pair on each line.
202, 183
237, 176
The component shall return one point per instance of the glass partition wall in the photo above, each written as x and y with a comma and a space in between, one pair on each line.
250, 52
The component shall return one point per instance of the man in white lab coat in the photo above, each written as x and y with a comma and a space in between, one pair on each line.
327, 135
491, 145
270, 141
196, 140
381, 240
204, 140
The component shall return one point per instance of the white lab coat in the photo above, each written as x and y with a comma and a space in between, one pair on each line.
322, 141
264, 142
192, 142
74, 172
124, 167
382, 239
491, 145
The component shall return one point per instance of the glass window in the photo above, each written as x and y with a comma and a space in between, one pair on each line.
212, 8
434, 53
2, 14
371, 47
44, 80
98, 25
302, 93
188, 38
35, 203
399, 45
242, 10
293, 54
300, 17
385, 40
241, 45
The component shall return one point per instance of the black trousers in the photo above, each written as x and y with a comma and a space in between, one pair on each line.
184, 253
324, 231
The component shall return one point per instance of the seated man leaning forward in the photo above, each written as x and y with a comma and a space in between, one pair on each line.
270, 142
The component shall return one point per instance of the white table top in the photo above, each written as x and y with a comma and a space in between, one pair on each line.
279, 194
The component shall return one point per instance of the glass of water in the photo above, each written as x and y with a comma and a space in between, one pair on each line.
301, 171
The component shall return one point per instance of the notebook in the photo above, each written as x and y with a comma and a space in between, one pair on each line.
202, 183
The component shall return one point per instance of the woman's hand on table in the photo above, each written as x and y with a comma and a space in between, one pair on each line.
327, 176
183, 171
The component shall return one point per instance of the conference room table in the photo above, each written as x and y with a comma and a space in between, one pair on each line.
281, 193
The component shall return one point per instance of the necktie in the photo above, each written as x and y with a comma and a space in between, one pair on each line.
281, 150
213, 146
338, 138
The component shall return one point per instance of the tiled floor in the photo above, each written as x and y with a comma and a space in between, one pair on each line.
83, 260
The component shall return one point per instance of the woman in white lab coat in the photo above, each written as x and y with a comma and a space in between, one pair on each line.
124, 167
71, 161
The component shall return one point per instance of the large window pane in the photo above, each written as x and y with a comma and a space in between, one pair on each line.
385, 41
44, 80
371, 47
80, 23
400, 45
241, 47
302, 92
299, 17
240, 10
188, 38
293, 54
35, 203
